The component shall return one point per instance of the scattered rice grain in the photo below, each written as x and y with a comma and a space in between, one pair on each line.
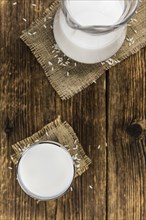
60, 59
36, 140
75, 141
90, 187
24, 19
19, 149
14, 3
75, 148
50, 63
38, 201
77, 165
66, 62
47, 133
66, 145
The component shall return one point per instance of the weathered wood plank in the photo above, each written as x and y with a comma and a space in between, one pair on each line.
28, 102
126, 163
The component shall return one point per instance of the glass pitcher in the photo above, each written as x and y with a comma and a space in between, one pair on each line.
91, 31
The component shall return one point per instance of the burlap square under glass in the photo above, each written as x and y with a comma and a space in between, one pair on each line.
62, 133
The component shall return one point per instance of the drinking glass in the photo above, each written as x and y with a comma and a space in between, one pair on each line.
45, 170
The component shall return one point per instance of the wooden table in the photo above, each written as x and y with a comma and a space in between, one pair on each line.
100, 114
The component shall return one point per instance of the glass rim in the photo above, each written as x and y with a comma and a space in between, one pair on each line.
26, 190
99, 28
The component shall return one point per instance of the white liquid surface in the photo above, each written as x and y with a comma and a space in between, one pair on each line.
95, 12
85, 47
46, 171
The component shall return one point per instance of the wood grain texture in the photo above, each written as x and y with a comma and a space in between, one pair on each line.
99, 114
126, 163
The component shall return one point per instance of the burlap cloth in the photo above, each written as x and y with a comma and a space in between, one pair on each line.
61, 133
67, 76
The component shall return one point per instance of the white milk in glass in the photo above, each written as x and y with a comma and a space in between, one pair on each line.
45, 171
88, 47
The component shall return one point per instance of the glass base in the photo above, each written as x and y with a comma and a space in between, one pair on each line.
85, 47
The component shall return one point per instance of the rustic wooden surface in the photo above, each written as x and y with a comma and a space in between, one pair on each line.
99, 114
